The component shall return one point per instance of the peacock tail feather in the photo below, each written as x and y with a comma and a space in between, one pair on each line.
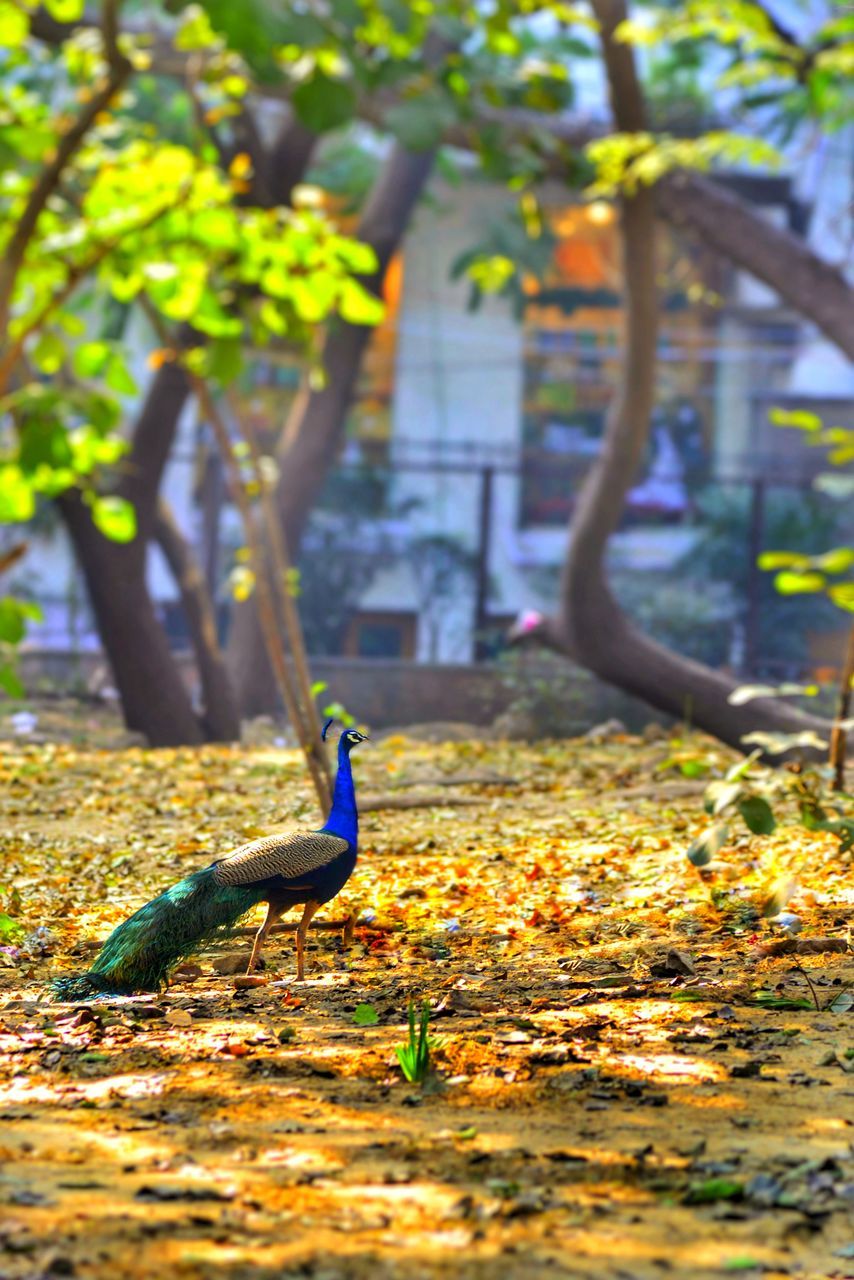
138, 955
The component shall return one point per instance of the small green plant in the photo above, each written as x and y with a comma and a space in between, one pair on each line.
756, 794
414, 1057
10, 930
366, 1016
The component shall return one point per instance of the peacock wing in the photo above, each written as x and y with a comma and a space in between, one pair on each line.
294, 854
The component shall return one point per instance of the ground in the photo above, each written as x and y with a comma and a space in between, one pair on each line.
626, 1084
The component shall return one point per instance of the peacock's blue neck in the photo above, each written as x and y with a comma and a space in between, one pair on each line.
343, 817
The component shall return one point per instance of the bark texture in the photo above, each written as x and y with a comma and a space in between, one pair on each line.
155, 700
728, 224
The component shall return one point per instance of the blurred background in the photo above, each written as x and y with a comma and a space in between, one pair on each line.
424, 459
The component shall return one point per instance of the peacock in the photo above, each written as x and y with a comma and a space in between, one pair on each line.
308, 867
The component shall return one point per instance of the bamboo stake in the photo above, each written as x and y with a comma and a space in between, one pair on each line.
265, 599
264, 594
282, 567
839, 734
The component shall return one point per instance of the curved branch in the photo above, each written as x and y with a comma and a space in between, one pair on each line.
728, 224
592, 628
698, 205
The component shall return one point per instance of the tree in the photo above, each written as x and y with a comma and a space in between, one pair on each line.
483, 88
591, 627
521, 144
149, 223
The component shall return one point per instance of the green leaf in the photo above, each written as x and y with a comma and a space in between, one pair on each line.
17, 499
217, 228
366, 1016
714, 1189
195, 31
758, 815
323, 103
839, 560
43, 444
90, 359
225, 360
12, 621
115, 517
704, 848
49, 353
14, 25
792, 584
842, 594
768, 1000
801, 419
9, 928
65, 10
357, 306
742, 1263
118, 378
10, 681
783, 560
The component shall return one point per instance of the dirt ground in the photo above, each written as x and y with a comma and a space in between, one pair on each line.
626, 1085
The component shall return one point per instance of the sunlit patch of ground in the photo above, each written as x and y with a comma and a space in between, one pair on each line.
594, 1113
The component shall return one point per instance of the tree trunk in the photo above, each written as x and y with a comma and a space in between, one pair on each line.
314, 431
219, 716
592, 628
154, 698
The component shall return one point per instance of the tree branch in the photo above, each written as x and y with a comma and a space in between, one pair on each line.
698, 205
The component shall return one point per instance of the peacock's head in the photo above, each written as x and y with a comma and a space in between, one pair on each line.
349, 739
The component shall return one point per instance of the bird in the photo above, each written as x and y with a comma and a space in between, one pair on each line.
297, 867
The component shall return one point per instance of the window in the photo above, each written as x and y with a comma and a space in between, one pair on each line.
572, 351
381, 635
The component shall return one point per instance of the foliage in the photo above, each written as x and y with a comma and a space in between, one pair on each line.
550, 698
626, 162
759, 796
797, 572
414, 1056
719, 556
136, 219
764, 67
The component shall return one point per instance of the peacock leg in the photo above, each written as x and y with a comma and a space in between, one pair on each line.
310, 909
273, 913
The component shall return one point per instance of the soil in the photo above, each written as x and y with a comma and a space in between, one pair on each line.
624, 1083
